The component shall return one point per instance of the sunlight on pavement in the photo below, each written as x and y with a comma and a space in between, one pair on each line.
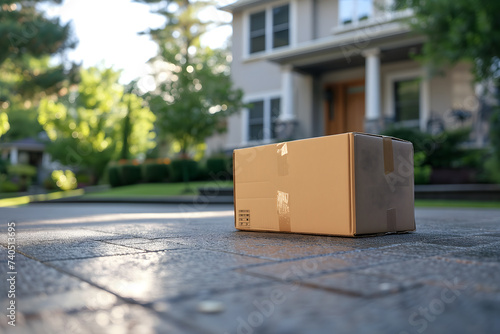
122, 217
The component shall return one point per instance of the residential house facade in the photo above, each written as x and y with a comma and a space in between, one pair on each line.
320, 67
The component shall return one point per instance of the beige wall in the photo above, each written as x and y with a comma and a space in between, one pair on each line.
326, 17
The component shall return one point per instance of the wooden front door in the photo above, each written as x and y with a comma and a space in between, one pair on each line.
344, 107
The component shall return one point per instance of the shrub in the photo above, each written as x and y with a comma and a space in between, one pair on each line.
21, 170
131, 174
114, 176
155, 172
183, 170
422, 172
9, 187
218, 165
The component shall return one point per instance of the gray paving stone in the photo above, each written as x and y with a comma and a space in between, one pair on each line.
468, 241
53, 250
172, 274
443, 271
122, 318
288, 308
314, 266
151, 245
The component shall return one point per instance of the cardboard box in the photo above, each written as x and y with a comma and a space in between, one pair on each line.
350, 184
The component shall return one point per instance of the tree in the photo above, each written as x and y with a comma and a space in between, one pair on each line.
85, 126
459, 30
194, 92
27, 41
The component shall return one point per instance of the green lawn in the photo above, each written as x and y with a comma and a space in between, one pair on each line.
160, 189
441, 203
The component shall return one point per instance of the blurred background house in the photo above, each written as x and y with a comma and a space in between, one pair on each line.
320, 67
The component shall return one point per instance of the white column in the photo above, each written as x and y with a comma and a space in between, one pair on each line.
372, 85
287, 94
14, 156
425, 100
46, 160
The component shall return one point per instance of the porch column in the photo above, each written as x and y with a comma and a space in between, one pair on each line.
286, 113
286, 122
46, 160
14, 154
372, 91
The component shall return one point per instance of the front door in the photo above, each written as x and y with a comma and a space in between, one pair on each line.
345, 107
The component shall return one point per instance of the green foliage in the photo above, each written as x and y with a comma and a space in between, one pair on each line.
183, 170
64, 179
21, 170
4, 123
28, 39
441, 151
194, 93
85, 126
459, 30
155, 172
9, 187
114, 176
218, 165
131, 174
422, 173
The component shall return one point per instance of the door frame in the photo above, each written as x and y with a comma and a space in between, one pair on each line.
335, 96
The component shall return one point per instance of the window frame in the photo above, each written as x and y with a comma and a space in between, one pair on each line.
355, 17
268, 121
424, 96
269, 28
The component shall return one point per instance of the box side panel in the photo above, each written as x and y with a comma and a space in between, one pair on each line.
384, 191
300, 186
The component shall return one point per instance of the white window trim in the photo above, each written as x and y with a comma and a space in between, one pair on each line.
266, 97
269, 29
424, 98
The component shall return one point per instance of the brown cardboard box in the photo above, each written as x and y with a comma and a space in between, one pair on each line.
349, 184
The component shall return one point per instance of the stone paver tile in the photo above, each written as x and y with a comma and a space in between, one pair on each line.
468, 241
443, 271
124, 318
358, 284
274, 246
28, 237
290, 308
50, 251
314, 266
157, 245
421, 249
486, 253
155, 275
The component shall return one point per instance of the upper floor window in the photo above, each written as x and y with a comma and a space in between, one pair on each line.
354, 11
270, 28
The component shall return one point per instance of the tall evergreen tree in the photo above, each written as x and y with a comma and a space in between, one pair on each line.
194, 92
28, 38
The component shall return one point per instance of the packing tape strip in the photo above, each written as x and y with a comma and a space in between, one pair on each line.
283, 207
391, 220
282, 150
388, 156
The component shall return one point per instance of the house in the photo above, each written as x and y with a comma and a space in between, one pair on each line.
320, 67
27, 151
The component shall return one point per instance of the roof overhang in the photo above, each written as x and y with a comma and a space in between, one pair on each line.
241, 5
346, 49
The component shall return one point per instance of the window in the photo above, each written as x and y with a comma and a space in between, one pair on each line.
281, 29
262, 117
354, 11
407, 100
270, 29
258, 32
256, 121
